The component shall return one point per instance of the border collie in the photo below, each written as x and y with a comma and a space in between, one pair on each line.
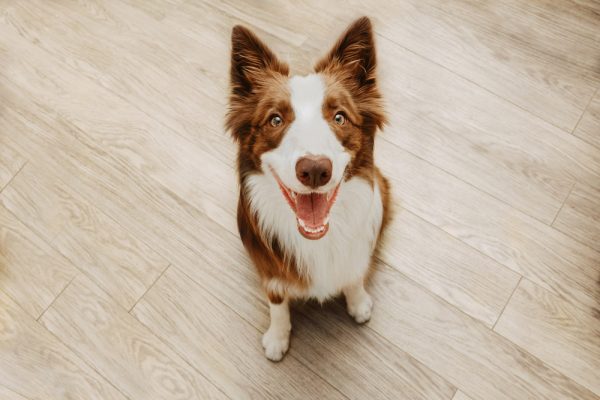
312, 203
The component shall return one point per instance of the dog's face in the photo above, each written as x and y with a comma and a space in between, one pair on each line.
310, 133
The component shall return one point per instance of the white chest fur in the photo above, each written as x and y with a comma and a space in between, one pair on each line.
343, 255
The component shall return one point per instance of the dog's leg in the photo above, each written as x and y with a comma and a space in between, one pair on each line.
276, 340
358, 302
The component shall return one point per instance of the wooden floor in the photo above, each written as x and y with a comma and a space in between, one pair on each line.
121, 272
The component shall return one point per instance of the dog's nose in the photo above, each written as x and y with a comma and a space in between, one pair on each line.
313, 171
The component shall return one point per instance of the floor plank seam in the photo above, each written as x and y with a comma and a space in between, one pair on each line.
448, 234
13, 177
149, 330
148, 288
531, 113
81, 359
250, 323
462, 180
561, 207
58, 295
574, 378
310, 317
583, 113
521, 349
506, 305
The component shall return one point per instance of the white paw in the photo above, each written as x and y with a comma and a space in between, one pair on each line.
276, 343
361, 310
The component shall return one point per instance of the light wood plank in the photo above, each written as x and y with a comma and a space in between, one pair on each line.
549, 258
122, 265
468, 354
31, 272
589, 127
181, 158
187, 168
456, 272
580, 215
564, 336
461, 396
10, 162
327, 339
521, 160
476, 45
566, 31
220, 344
38, 366
151, 213
158, 174
120, 348
471, 44
8, 394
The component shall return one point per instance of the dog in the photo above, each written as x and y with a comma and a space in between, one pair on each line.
312, 204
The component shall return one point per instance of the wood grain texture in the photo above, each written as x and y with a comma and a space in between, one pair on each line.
521, 160
37, 365
580, 215
564, 336
174, 302
214, 339
327, 339
10, 162
589, 126
466, 353
31, 272
122, 265
447, 267
461, 396
120, 348
8, 394
473, 42
116, 107
535, 250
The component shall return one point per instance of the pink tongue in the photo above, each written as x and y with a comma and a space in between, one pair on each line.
312, 208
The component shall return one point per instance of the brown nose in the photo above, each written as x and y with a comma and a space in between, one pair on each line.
313, 171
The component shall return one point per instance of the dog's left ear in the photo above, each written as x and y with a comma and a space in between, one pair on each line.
352, 60
354, 52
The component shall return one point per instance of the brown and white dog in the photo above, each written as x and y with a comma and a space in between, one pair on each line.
312, 202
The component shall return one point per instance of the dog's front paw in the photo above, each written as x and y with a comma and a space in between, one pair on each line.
276, 343
361, 309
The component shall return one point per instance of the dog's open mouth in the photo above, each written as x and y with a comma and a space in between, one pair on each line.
311, 209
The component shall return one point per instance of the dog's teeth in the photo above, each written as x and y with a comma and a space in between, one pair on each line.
326, 222
293, 194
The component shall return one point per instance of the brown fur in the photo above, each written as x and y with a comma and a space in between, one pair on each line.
259, 90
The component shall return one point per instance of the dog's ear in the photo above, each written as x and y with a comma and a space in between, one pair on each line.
352, 61
250, 59
354, 52
251, 63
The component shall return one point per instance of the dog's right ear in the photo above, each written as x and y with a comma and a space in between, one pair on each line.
251, 63
250, 59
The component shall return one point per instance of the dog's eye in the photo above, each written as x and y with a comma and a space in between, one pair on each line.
276, 121
339, 119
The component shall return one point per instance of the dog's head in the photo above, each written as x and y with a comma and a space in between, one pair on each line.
311, 133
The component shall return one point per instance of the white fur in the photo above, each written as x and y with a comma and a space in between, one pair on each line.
342, 256
276, 339
309, 133
338, 259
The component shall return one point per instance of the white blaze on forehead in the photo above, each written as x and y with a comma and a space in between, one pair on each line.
308, 93
309, 133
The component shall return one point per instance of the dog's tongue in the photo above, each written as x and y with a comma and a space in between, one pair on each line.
312, 208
